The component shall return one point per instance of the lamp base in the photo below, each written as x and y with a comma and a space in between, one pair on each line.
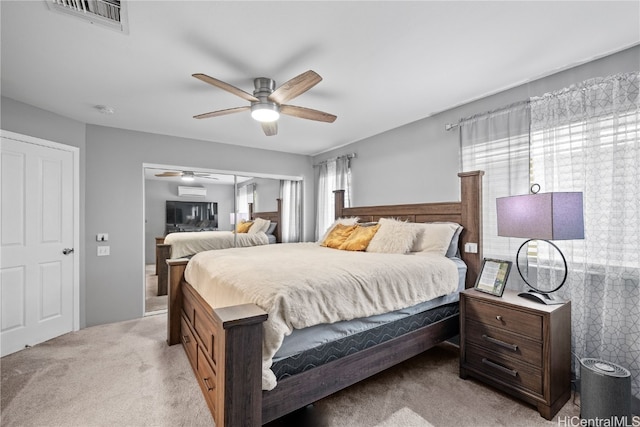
541, 297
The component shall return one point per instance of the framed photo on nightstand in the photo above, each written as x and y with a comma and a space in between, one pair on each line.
493, 276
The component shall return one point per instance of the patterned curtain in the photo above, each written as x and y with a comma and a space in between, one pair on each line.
334, 174
587, 138
497, 142
291, 195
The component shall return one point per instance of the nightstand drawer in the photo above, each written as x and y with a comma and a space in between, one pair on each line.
509, 371
498, 316
504, 342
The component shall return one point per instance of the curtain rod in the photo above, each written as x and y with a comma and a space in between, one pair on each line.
347, 156
451, 126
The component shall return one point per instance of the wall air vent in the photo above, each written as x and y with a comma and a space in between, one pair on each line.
107, 13
192, 191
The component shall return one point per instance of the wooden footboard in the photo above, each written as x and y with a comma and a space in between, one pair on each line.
224, 347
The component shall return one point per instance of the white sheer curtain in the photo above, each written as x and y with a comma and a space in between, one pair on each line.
245, 196
497, 142
587, 138
333, 174
291, 195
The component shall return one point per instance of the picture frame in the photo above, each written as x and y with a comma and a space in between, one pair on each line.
493, 276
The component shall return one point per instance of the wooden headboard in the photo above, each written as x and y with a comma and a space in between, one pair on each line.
466, 212
273, 216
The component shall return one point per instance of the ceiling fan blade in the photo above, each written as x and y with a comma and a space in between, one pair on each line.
226, 86
222, 112
168, 174
204, 175
307, 113
270, 128
295, 87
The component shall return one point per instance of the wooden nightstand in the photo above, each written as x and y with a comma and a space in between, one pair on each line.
518, 346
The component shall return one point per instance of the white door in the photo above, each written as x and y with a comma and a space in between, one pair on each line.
38, 272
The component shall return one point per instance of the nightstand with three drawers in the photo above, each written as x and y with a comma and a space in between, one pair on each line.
518, 346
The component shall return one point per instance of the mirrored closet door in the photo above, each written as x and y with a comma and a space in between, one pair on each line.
180, 202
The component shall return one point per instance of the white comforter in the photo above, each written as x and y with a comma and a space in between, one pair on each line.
189, 243
304, 284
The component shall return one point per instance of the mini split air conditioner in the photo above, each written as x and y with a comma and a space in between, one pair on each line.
192, 191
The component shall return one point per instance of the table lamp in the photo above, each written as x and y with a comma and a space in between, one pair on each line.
545, 217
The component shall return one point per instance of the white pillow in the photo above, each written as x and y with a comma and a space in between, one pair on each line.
344, 221
434, 236
393, 237
259, 225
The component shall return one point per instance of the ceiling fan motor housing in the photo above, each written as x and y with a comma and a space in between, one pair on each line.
263, 88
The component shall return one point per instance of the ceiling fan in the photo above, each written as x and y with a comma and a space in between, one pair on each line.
267, 102
185, 175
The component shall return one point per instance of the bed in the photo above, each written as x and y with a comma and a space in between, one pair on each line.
225, 345
213, 239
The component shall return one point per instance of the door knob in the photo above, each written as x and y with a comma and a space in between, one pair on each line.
67, 251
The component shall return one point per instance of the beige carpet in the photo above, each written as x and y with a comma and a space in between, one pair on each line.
124, 374
153, 303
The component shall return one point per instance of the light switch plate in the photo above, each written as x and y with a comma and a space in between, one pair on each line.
102, 237
471, 248
104, 250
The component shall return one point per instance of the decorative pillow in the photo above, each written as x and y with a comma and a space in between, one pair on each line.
359, 239
338, 235
244, 226
259, 225
344, 221
454, 249
272, 227
393, 237
434, 237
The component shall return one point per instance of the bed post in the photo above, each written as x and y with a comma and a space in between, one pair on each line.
338, 196
279, 226
163, 253
159, 241
176, 269
240, 372
250, 211
471, 197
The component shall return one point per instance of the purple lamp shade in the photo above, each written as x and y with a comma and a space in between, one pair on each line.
547, 216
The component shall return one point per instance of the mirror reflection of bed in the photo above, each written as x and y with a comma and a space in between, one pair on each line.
213, 210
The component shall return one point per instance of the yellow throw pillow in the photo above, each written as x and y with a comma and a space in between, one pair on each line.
359, 239
338, 235
244, 226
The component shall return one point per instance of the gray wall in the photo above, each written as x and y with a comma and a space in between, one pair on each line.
157, 192
419, 162
267, 191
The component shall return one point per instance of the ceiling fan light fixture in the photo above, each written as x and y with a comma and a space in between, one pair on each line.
265, 112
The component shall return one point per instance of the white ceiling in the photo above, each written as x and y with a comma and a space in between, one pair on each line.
384, 64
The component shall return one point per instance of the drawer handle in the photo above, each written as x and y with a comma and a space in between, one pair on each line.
185, 339
501, 368
495, 341
207, 384
499, 318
